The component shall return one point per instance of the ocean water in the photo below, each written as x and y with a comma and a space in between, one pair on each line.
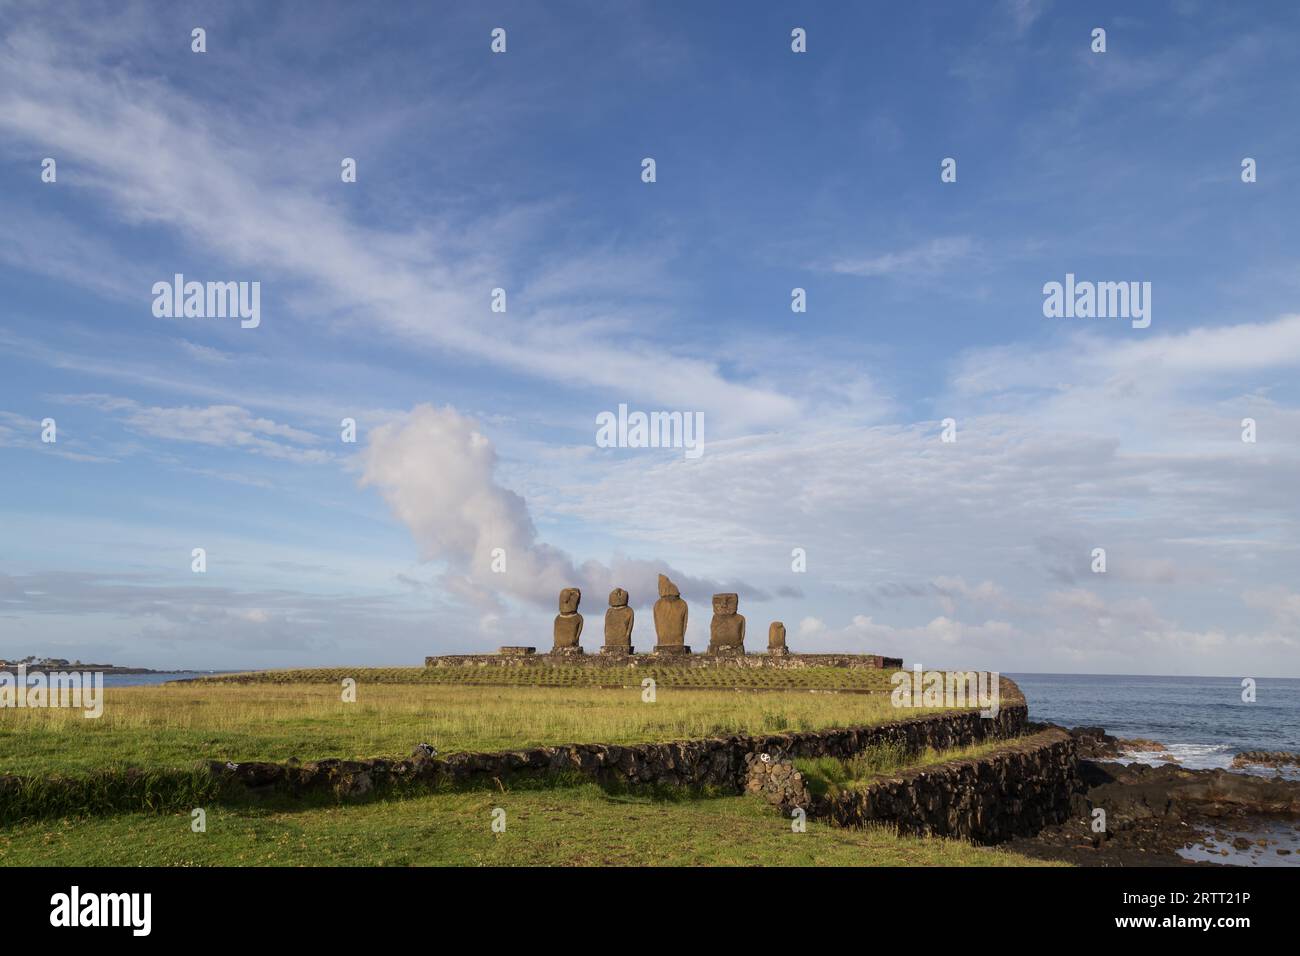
140, 680
1201, 720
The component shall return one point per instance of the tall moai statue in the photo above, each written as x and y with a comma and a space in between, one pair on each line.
618, 624
568, 623
727, 629
776, 640
670, 619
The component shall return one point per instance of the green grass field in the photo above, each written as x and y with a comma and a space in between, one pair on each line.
177, 725
274, 717
570, 826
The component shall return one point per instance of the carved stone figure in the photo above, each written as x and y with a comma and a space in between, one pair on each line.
727, 629
618, 624
670, 619
776, 640
568, 623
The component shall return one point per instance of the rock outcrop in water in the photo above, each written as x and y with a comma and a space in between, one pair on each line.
1266, 758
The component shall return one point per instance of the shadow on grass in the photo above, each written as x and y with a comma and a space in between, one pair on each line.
114, 791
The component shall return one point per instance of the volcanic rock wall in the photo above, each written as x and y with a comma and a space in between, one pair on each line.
1014, 791
717, 762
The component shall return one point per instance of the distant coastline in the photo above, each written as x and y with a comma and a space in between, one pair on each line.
48, 665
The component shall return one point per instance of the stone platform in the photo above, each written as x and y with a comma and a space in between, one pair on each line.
778, 661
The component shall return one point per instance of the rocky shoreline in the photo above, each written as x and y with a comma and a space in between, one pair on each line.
47, 668
1152, 813
1266, 758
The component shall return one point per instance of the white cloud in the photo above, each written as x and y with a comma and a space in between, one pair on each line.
1023, 13
926, 259
1144, 460
226, 426
161, 160
436, 470
811, 627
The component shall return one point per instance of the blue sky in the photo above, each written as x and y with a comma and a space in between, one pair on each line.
775, 170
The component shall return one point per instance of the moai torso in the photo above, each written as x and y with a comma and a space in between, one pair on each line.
670, 615
568, 623
776, 638
618, 620
727, 629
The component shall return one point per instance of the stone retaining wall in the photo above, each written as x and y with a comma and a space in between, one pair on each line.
718, 762
782, 662
1013, 791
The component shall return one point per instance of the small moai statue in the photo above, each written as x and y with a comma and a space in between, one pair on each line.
727, 629
618, 624
568, 623
670, 619
776, 640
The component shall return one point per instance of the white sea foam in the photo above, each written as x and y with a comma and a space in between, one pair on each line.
1204, 756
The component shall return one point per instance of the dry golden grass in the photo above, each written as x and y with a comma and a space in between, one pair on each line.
176, 725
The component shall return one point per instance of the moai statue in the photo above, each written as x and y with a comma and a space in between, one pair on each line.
618, 624
670, 619
776, 640
727, 630
568, 623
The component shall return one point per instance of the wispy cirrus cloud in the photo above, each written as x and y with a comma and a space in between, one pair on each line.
226, 426
147, 150
925, 259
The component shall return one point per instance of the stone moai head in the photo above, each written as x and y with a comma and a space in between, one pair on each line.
618, 598
725, 603
569, 600
667, 589
776, 634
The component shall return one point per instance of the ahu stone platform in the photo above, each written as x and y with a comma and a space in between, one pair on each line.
527, 657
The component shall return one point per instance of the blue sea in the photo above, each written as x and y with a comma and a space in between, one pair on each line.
139, 680
1201, 720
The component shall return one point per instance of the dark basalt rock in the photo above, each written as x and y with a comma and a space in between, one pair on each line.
1139, 790
1266, 758
1013, 791
720, 762
1151, 812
